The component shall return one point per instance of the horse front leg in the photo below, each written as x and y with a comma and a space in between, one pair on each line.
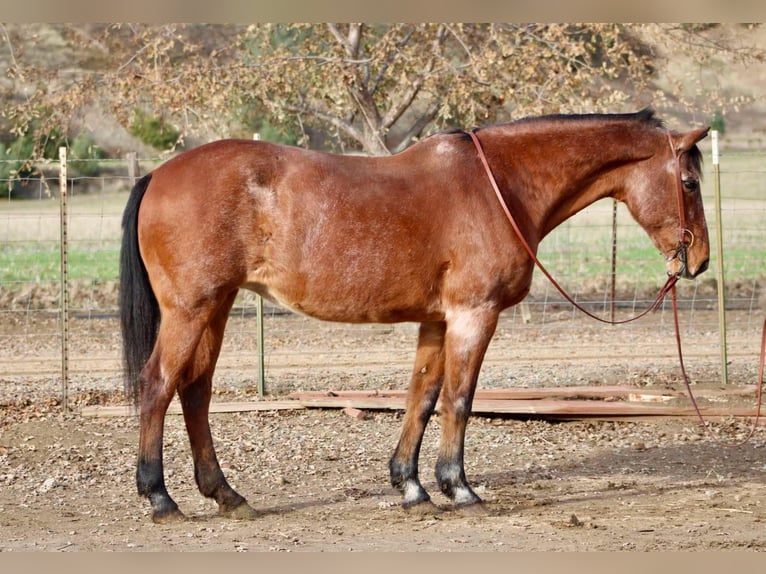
423, 392
469, 332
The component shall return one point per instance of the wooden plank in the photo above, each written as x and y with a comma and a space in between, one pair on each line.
175, 408
538, 402
369, 403
595, 408
310, 395
585, 392
538, 407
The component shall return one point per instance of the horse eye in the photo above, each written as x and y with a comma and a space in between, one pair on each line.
690, 184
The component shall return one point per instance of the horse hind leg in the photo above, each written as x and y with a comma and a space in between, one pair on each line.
176, 341
150, 479
195, 401
168, 370
425, 385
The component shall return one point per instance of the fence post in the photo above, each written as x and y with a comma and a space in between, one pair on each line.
613, 278
259, 330
719, 251
63, 194
133, 171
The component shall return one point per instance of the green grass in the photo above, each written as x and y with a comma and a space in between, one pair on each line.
43, 264
30, 236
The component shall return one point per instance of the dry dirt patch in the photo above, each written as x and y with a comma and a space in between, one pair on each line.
320, 480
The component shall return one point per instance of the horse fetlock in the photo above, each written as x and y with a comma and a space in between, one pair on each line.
149, 477
450, 477
164, 509
401, 472
464, 496
460, 493
209, 482
414, 493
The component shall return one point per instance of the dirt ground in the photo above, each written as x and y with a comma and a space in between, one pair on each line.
319, 478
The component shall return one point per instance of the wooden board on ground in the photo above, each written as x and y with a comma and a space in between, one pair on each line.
522, 393
562, 403
175, 408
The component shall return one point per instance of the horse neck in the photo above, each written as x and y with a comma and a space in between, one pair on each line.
553, 174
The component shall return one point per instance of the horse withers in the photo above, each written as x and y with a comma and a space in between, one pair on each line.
418, 236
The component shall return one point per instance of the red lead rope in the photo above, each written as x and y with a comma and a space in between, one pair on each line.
657, 302
759, 386
669, 287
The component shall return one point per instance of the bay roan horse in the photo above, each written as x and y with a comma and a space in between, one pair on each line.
418, 236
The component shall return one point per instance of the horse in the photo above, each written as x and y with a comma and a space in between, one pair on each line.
418, 236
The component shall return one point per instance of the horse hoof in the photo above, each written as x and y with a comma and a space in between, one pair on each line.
242, 512
422, 508
168, 517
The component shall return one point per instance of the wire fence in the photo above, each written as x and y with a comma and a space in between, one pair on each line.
68, 338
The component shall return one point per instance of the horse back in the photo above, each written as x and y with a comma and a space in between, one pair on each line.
336, 237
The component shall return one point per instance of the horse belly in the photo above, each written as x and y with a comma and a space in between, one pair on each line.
352, 289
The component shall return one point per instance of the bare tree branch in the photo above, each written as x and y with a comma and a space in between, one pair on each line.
417, 128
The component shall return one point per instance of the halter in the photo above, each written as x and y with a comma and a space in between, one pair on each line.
683, 231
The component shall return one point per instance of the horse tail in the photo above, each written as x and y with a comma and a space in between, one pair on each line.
139, 310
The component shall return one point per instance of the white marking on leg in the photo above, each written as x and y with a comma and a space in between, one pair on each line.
466, 326
413, 492
464, 495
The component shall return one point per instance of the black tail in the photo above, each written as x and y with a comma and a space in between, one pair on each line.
139, 311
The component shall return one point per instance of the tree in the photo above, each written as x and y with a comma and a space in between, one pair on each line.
380, 87
179, 73
372, 88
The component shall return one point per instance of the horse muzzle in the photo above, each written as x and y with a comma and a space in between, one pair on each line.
678, 264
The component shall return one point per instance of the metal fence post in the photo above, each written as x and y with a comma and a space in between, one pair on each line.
613, 276
259, 330
63, 193
719, 251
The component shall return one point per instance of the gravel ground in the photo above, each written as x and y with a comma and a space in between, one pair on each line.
320, 478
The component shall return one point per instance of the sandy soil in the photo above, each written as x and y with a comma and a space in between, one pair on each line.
320, 478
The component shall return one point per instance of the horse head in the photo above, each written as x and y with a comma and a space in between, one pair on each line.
666, 200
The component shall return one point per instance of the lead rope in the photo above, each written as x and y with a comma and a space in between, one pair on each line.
759, 380
669, 287
657, 302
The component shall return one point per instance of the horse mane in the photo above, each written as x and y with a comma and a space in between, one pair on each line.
645, 116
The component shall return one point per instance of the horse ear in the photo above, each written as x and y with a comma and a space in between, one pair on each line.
685, 142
